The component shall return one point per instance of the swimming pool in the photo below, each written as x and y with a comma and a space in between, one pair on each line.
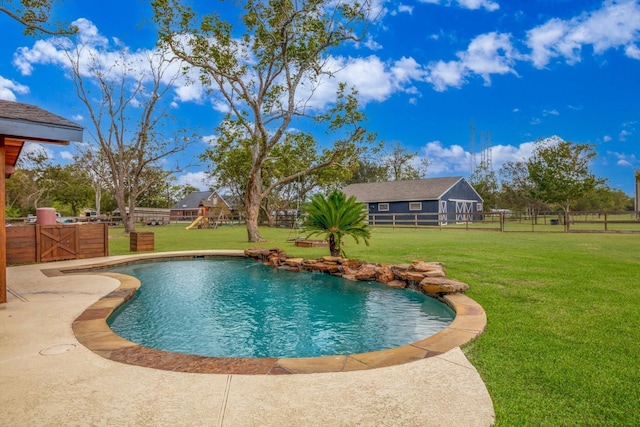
239, 308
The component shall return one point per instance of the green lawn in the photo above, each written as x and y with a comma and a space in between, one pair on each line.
562, 345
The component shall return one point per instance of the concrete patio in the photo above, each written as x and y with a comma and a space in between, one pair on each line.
48, 378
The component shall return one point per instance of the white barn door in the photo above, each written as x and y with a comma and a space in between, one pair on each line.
443, 212
464, 210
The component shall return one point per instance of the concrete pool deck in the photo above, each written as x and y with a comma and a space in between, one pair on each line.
47, 377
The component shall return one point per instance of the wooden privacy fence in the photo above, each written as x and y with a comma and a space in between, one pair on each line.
44, 243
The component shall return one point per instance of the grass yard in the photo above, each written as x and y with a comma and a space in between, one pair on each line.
562, 345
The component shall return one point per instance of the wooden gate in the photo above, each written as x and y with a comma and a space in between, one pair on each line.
42, 243
57, 242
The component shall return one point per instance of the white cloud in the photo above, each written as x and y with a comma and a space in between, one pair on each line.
500, 154
403, 8
189, 92
478, 4
200, 180
623, 135
9, 89
77, 117
632, 51
468, 4
446, 160
66, 155
454, 159
370, 76
210, 139
406, 70
487, 54
607, 138
552, 112
615, 25
371, 44
220, 106
111, 58
374, 79
446, 74
624, 160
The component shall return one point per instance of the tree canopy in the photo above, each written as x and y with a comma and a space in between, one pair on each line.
266, 69
560, 173
34, 15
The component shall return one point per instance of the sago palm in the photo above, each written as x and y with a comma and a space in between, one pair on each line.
336, 216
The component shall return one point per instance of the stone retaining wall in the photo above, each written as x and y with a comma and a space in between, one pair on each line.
428, 277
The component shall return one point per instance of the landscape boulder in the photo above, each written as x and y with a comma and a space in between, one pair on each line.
442, 285
429, 277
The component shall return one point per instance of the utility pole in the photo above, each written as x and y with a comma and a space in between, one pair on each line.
638, 194
472, 148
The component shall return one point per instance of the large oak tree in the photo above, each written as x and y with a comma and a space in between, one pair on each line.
123, 101
266, 67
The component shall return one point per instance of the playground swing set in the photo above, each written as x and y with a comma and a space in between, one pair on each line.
210, 215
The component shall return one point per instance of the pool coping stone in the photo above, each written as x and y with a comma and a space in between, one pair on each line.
92, 331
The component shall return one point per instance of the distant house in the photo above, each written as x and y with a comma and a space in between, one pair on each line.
190, 207
433, 201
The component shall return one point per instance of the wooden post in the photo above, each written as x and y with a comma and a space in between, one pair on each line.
3, 231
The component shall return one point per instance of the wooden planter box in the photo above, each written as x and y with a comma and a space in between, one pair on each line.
141, 241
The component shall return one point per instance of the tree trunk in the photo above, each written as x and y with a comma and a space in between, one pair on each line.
252, 202
98, 199
253, 211
253, 233
566, 217
129, 224
332, 246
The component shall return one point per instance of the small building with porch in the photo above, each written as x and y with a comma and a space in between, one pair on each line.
20, 123
195, 204
431, 201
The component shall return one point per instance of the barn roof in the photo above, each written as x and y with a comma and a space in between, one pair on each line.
192, 201
397, 191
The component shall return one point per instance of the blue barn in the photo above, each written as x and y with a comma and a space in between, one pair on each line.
433, 201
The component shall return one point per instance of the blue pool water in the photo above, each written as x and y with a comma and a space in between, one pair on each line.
239, 308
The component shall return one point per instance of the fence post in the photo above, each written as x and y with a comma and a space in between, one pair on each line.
606, 225
502, 222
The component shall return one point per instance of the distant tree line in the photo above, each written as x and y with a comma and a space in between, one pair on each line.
75, 187
556, 176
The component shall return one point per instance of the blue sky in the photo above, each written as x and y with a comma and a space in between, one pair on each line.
520, 71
